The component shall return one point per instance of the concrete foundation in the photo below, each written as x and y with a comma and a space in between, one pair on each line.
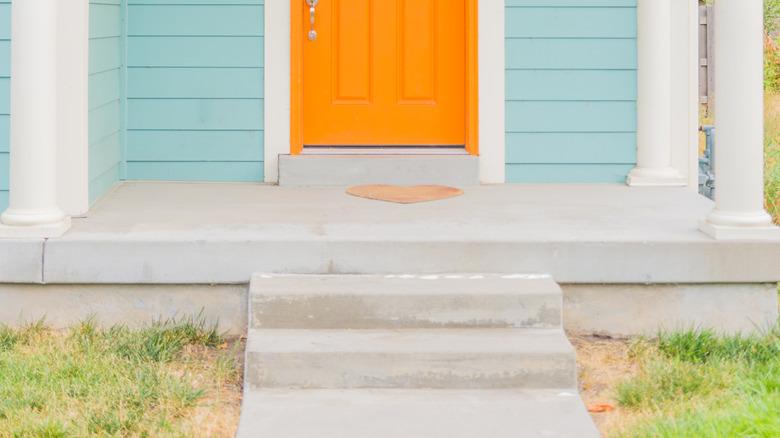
623, 310
614, 310
61, 306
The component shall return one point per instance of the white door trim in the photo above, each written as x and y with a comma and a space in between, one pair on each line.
491, 88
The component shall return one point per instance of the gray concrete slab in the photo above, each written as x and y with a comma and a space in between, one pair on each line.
409, 301
221, 233
414, 414
412, 358
21, 260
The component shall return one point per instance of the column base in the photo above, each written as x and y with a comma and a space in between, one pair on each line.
55, 229
731, 232
664, 177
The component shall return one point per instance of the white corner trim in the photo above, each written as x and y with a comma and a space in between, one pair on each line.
73, 107
491, 88
685, 90
276, 123
492, 100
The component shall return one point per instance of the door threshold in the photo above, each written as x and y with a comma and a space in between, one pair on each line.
384, 150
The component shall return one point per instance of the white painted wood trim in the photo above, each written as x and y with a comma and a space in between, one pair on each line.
73, 105
276, 122
693, 95
492, 98
491, 88
685, 82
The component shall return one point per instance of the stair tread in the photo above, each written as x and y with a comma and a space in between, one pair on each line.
434, 284
429, 341
414, 414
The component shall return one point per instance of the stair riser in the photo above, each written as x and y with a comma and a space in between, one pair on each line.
406, 311
410, 370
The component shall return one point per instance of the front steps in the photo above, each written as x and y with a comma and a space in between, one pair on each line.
409, 356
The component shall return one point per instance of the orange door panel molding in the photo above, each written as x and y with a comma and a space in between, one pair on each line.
383, 72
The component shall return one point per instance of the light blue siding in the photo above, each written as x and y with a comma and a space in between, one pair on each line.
105, 95
570, 90
195, 90
5, 99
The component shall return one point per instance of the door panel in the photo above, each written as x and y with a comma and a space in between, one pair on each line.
385, 72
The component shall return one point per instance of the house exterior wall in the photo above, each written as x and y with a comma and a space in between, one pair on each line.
5, 99
105, 79
570, 90
195, 90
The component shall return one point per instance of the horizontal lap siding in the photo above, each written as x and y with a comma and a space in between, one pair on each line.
105, 96
195, 90
570, 90
5, 98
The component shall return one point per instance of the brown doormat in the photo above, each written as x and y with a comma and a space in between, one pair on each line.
404, 194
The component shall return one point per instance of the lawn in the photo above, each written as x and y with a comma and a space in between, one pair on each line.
684, 384
174, 378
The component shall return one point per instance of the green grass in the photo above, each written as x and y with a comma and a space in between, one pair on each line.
108, 382
699, 384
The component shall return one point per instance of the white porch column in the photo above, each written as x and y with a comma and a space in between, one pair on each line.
654, 97
739, 116
33, 209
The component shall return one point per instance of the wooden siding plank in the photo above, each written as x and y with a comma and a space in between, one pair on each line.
5, 58
105, 154
537, 116
580, 22
571, 148
571, 53
195, 20
196, 2
572, 3
5, 130
246, 171
104, 54
591, 85
104, 21
195, 114
4, 156
567, 173
195, 146
195, 52
195, 83
5, 96
103, 121
104, 87
5, 21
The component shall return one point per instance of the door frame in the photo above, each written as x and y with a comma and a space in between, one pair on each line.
471, 92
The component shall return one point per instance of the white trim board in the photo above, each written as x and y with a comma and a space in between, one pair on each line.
491, 88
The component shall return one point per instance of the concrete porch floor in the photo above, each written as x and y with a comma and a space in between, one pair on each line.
204, 233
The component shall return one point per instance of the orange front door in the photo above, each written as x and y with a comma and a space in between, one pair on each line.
384, 72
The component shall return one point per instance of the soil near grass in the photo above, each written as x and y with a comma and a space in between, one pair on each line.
602, 363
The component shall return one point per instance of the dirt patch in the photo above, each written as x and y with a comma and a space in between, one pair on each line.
219, 372
603, 363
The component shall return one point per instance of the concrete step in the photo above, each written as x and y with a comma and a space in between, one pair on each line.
407, 301
344, 170
411, 358
414, 414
